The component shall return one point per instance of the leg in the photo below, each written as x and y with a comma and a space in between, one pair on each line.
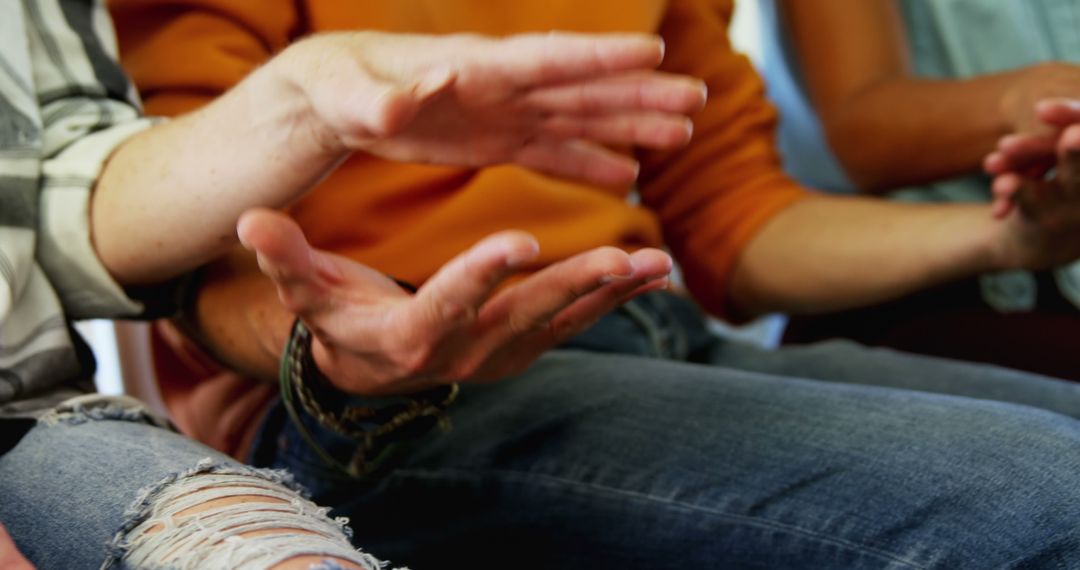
598, 461
669, 326
92, 485
847, 362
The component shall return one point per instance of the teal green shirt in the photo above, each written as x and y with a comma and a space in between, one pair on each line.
948, 39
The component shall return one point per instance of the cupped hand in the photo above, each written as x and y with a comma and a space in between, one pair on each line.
545, 101
374, 338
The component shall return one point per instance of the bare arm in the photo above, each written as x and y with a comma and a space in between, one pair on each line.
169, 198
372, 337
889, 128
832, 253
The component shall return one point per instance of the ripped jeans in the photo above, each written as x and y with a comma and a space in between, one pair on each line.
680, 450
95, 484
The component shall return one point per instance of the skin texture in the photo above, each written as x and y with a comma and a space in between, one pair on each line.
9, 554
1038, 174
542, 101
879, 117
273, 137
374, 338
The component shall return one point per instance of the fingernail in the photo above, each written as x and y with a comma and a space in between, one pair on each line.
611, 277
517, 258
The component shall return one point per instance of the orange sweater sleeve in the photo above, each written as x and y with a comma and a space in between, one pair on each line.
713, 196
184, 53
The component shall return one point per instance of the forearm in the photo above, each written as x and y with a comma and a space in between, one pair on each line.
888, 126
853, 252
238, 318
904, 130
169, 198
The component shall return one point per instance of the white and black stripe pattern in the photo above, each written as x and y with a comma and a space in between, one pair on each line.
64, 106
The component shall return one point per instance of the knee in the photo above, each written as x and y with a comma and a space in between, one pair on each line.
244, 520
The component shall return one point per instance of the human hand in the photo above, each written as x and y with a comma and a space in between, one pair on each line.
1036, 187
10, 557
374, 338
1035, 84
1037, 171
544, 101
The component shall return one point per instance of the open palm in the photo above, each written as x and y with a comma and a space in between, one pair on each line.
372, 337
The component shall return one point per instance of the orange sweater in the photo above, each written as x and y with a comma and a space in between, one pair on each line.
704, 202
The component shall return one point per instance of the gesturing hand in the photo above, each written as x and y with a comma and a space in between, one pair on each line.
1038, 176
374, 338
546, 102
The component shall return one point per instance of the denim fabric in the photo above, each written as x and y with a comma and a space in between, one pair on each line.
600, 461
81, 488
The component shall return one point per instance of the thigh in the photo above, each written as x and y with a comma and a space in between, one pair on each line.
599, 461
847, 362
66, 486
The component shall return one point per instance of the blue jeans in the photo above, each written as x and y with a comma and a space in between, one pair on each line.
82, 488
708, 454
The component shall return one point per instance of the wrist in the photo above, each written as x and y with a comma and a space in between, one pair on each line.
1026, 87
379, 426
978, 242
1000, 245
279, 103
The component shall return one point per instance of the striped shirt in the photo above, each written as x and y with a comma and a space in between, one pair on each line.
65, 105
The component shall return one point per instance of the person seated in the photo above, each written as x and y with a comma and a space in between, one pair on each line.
911, 96
646, 440
103, 212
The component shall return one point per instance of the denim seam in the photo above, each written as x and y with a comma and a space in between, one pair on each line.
551, 479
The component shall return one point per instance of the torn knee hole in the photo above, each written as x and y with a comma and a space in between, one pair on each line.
228, 520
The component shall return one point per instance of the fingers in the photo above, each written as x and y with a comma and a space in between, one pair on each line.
301, 274
1058, 112
652, 130
593, 282
558, 57
1068, 165
1023, 153
627, 92
652, 268
1004, 188
453, 297
578, 160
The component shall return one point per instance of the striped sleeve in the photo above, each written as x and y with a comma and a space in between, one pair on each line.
88, 108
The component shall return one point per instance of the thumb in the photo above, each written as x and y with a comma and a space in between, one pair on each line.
303, 275
393, 109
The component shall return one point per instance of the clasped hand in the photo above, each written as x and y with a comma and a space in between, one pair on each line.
1036, 187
